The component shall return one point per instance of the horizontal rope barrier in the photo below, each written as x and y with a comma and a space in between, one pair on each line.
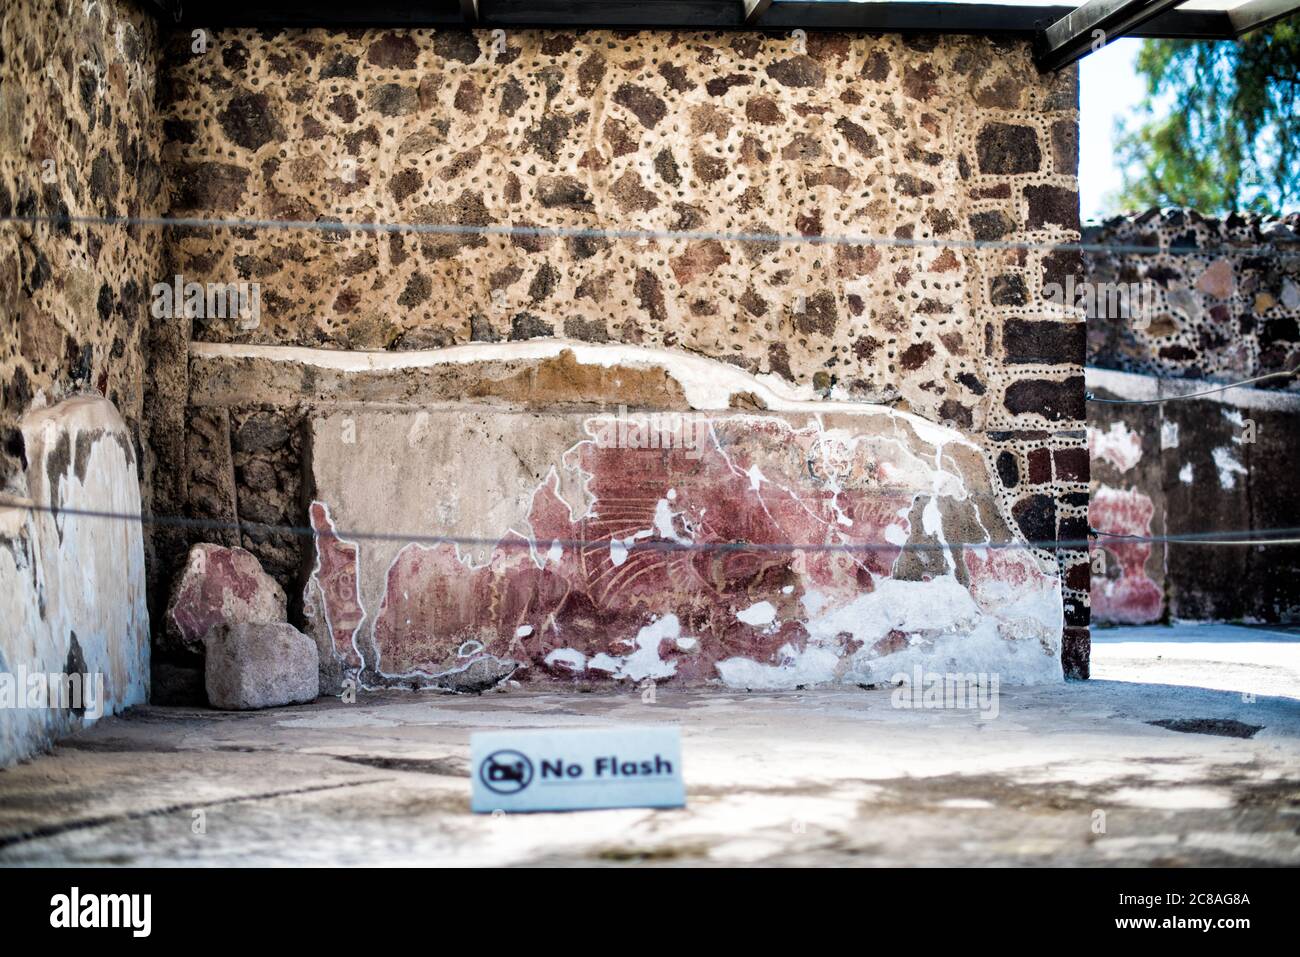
349, 536
667, 235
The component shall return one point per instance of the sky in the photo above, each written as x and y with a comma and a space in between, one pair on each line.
1109, 88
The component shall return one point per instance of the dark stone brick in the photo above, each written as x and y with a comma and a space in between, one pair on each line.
953, 412
1065, 147
1077, 612
1076, 652
480, 329
248, 121
1052, 205
395, 51
457, 45
1008, 290
644, 105
1072, 528
819, 315
209, 187
1036, 516
527, 326
1043, 341
1040, 466
1071, 465
798, 71
971, 382
1008, 470
341, 65
1055, 401
1006, 148
857, 137
1060, 264
562, 192
588, 330
991, 224
915, 356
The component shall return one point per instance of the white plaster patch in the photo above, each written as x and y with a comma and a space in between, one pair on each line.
1185, 474
1118, 446
569, 658
1168, 435
811, 666
760, 613
1229, 468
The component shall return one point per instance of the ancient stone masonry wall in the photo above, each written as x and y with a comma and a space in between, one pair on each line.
1224, 296
77, 138
931, 139
1219, 302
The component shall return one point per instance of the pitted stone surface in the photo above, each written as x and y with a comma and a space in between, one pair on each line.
726, 133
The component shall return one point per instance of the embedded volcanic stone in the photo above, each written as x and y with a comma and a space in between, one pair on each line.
1041, 341
219, 585
1053, 400
1007, 148
263, 665
1052, 206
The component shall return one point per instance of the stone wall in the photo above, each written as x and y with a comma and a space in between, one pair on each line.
1221, 462
1223, 296
901, 139
1219, 302
72, 586
78, 137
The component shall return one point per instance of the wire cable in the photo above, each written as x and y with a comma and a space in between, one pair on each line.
507, 540
1285, 374
669, 235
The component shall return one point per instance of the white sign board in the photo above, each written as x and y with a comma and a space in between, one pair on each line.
576, 769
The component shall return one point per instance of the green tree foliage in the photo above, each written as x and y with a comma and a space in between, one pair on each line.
1219, 129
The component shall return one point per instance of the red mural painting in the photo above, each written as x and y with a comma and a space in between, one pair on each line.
582, 593
1132, 597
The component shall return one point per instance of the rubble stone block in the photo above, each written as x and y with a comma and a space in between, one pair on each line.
262, 665
219, 585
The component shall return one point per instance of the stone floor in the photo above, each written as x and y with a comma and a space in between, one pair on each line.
818, 777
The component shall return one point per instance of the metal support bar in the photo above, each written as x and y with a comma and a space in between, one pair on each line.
1258, 13
754, 9
1092, 26
469, 10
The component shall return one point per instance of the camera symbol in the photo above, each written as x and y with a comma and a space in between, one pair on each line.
506, 772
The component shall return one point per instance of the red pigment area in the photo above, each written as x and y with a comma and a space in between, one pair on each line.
1133, 598
201, 603
336, 575
590, 601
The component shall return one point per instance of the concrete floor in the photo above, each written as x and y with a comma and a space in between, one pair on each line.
819, 777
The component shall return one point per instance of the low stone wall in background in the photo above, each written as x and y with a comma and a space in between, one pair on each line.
1221, 297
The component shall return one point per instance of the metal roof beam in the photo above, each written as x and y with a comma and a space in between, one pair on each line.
1091, 26
1258, 13
923, 16
754, 9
